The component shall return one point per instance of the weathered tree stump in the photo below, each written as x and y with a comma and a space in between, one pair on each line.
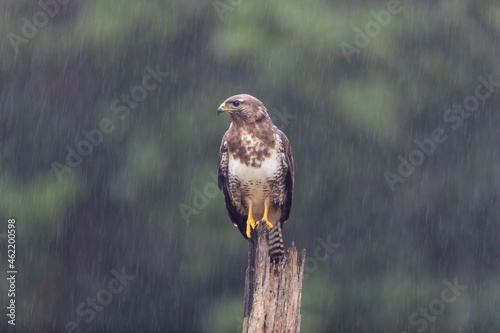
272, 291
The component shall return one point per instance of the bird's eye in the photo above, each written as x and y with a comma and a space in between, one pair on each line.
236, 103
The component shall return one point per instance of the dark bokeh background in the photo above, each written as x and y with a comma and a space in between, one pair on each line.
144, 200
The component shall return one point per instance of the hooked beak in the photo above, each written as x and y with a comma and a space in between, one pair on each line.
222, 108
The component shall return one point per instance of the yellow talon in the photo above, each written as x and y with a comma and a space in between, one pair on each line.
250, 222
269, 224
264, 218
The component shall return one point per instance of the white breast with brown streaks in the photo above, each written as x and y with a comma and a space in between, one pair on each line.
253, 178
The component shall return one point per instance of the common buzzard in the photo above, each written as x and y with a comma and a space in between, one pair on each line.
255, 170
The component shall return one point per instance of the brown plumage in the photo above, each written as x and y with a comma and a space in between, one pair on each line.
255, 170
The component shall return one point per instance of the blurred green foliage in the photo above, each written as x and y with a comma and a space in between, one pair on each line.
124, 204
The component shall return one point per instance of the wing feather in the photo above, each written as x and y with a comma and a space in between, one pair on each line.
289, 176
223, 180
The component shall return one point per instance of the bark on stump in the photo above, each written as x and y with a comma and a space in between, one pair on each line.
272, 291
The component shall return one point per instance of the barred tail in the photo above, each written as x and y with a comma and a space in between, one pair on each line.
276, 248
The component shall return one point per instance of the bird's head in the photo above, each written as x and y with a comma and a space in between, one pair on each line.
243, 108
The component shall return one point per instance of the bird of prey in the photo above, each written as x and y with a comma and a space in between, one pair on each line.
255, 170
